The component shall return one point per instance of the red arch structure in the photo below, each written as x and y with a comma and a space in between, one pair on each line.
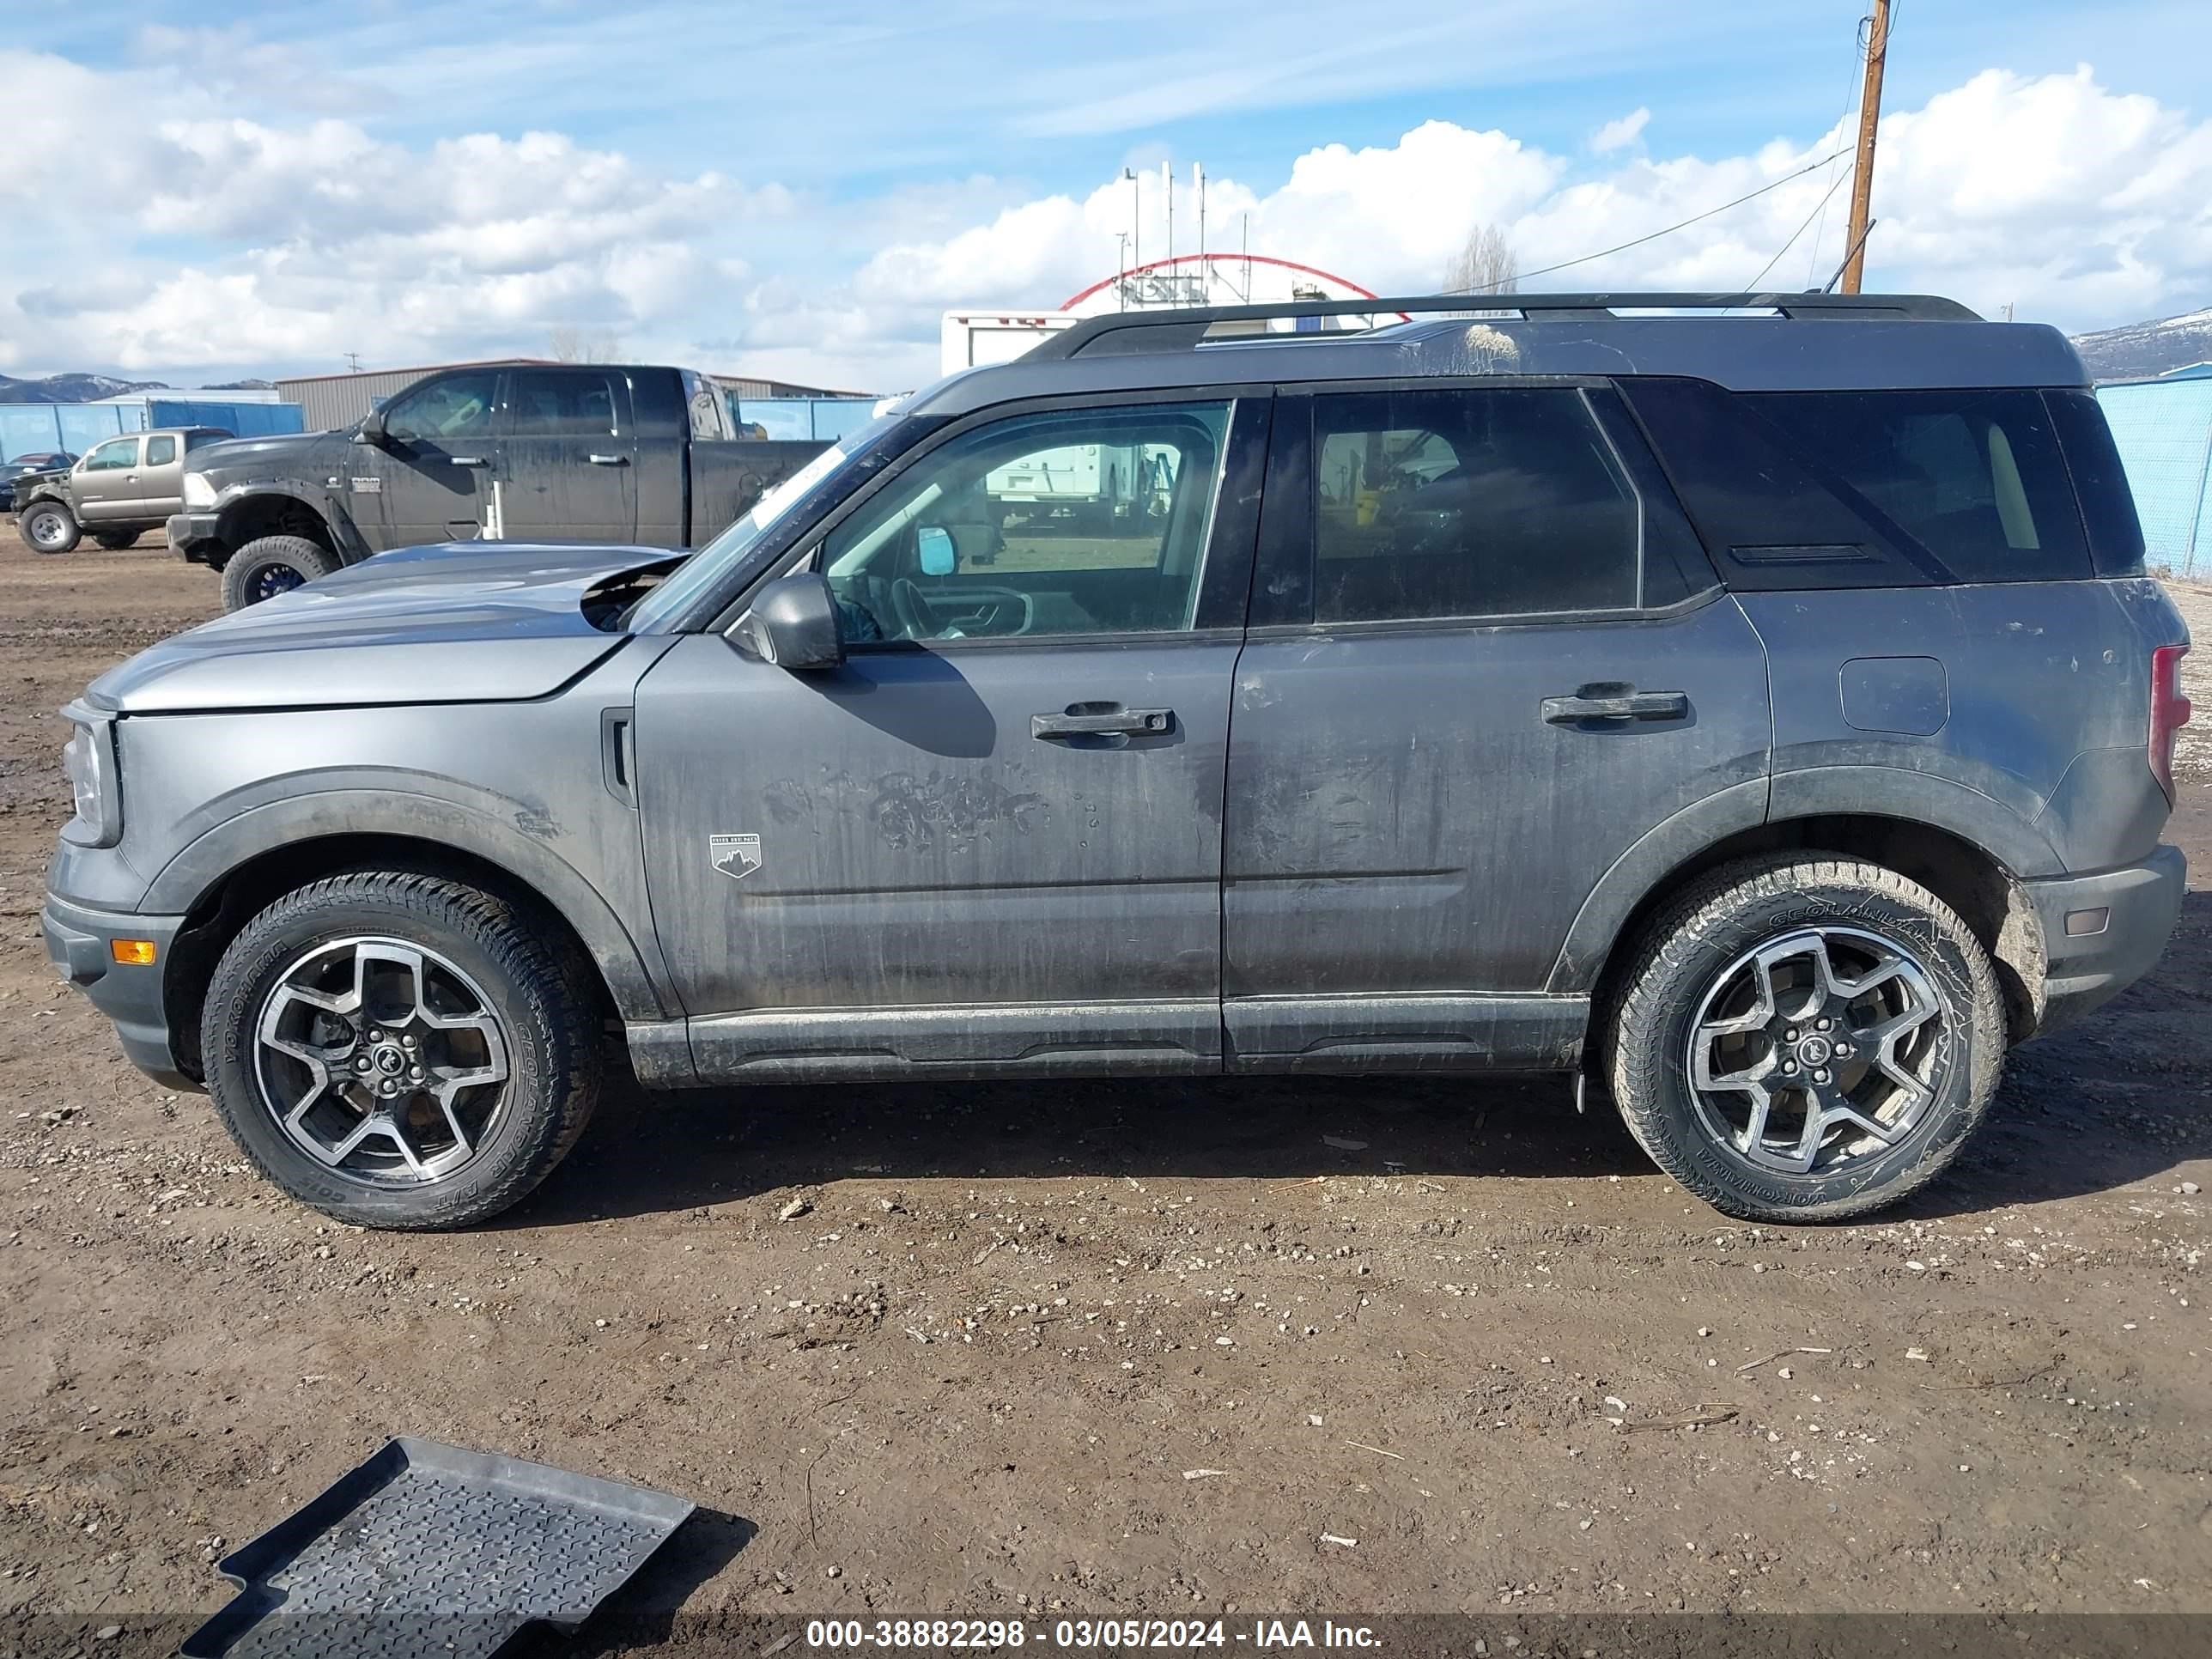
1075, 299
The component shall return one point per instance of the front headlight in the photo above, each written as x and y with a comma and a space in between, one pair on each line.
88, 758
198, 491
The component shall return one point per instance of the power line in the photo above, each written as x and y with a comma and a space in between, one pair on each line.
1818, 208
1772, 184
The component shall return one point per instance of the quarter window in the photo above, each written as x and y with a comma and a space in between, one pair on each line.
115, 455
159, 452
1084, 521
451, 406
1505, 501
1975, 479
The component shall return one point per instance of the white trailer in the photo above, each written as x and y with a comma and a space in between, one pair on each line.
971, 338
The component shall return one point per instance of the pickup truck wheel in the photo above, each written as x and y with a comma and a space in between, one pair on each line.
399, 1050
116, 540
49, 527
1806, 1036
275, 565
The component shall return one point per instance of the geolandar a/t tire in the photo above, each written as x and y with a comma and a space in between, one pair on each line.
1806, 1036
400, 1050
272, 565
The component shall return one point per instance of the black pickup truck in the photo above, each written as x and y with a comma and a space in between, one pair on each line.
557, 452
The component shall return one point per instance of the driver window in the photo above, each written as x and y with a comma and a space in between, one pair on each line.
1084, 521
451, 406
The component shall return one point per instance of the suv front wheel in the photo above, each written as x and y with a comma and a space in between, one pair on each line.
399, 1050
1806, 1036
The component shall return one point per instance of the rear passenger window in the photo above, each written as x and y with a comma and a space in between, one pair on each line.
1975, 479
1495, 502
563, 404
159, 452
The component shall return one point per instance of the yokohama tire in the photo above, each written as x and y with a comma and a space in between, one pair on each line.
1685, 959
539, 995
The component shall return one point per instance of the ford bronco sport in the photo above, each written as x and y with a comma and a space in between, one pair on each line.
1765, 717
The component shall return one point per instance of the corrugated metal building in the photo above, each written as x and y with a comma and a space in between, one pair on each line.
2164, 431
328, 401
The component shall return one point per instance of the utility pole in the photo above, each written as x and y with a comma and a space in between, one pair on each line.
1862, 170
352, 361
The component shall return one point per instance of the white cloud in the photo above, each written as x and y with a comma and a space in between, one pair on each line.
1621, 133
256, 235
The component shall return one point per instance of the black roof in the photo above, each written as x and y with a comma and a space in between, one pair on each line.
1800, 341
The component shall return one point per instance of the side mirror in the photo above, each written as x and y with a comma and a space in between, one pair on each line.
371, 429
793, 624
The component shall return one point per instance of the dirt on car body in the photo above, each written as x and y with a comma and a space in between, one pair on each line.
1118, 1348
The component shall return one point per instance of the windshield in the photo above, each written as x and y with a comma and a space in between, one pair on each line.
705, 570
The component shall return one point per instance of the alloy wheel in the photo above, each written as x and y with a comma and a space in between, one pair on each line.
382, 1061
1818, 1048
275, 578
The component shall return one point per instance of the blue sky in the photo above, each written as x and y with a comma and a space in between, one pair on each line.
757, 180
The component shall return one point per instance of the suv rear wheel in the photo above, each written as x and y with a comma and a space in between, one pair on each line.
272, 565
1806, 1036
49, 526
399, 1050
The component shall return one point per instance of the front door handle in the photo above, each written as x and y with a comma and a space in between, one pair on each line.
608, 460
468, 461
1613, 701
1091, 719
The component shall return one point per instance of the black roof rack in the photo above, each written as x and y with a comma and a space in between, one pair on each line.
1179, 331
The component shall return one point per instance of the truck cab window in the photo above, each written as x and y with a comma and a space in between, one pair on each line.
451, 406
563, 403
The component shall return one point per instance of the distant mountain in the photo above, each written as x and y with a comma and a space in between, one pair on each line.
241, 386
70, 388
2142, 351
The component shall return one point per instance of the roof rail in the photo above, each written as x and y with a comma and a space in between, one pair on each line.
1124, 332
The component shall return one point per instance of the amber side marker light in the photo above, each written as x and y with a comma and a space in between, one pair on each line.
132, 952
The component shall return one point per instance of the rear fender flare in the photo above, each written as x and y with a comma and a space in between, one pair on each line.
1882, 791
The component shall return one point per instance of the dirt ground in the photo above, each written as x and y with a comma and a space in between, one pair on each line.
1344, 1346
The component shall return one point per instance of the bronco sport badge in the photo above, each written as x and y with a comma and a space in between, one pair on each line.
735, 856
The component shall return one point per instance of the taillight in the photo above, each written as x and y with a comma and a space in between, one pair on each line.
2169, 711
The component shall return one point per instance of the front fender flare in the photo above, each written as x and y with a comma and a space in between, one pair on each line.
633, 974
232, 499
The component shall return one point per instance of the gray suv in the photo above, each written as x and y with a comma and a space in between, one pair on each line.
1766, 717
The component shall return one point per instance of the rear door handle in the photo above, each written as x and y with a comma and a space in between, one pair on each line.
468, 461
609, 460
1093, 720
1597, 702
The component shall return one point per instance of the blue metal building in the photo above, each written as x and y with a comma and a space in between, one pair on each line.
37, 428
2163, 430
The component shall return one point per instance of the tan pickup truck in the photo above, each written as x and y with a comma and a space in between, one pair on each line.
115, 493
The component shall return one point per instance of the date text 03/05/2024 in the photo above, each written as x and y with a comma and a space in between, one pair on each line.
991, 1634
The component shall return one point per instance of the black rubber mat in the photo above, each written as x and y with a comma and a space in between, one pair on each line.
428, 1549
